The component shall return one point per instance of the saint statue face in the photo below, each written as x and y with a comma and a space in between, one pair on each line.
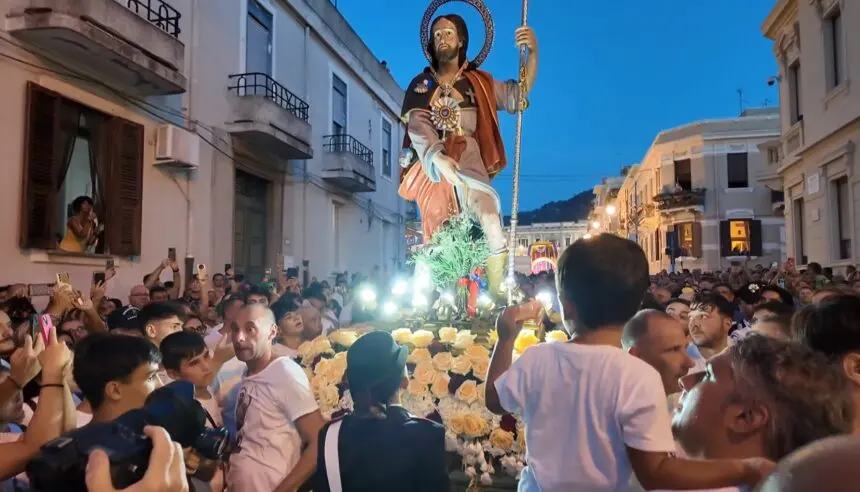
446, 40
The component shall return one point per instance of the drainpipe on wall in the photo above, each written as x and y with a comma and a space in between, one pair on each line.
305, 161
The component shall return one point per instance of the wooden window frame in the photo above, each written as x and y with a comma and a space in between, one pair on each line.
120, 158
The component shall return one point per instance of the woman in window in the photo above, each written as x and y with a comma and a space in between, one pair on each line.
83, 228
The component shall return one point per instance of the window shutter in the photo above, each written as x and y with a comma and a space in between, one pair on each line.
124, 194
39, 191
756, 248
697, 240
725, 239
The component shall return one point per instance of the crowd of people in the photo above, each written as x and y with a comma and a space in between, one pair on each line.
676, 381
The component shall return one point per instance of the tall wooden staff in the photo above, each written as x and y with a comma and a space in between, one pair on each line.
515, 197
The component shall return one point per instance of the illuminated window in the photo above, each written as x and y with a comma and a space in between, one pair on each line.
739, 237
685, 238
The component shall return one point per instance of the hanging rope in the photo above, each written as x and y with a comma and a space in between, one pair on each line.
515, 196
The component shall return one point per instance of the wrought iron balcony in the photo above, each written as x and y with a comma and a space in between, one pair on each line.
261, 84
268, 116
680, 199
158, 13
348, 163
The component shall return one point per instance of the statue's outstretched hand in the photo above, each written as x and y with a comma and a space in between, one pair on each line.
448, 168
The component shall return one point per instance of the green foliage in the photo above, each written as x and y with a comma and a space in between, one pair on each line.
453, 252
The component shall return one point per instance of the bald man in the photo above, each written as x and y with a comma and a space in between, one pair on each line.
138, 297
277, 417
827, 465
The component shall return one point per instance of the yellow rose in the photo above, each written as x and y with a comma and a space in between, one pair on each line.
502, 439
526, 339
457, 424
305, 349
416, 387
420, 355
321, 345
340, 355
482, 392
464, 339
424, 373
343, 337
521, 439
476, 352
468, 392
480, 367
474, 426
402, 335
338, 369
323, 367
422, 338
440, 386
448, 335
443, 361
556, 336
493, 337
329, 396
462, 365
318, 384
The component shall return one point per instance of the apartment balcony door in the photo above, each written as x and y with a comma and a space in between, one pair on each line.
250, 225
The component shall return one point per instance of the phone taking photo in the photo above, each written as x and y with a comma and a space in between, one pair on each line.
171, 254
46, 324
98, 278
64, 278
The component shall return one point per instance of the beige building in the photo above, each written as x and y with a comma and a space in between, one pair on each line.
235, 132
604, 211
817, 45
697, 183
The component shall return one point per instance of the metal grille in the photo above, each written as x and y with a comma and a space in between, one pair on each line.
261, 84
158, 13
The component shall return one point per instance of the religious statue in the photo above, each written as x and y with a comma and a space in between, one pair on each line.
453, 146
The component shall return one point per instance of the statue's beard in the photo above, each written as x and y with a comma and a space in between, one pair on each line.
446, 55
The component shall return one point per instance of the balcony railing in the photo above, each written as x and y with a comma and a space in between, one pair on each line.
260, 84
348, 144
158, 13
680, 199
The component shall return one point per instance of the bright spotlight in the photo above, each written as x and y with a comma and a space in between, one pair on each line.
400, 287
595, 224
368, 295
484, 300
610, 210
448, 297
422, 279
587, 235
545, 298
389, 307
419, 301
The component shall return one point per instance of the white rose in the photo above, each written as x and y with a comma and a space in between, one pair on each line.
420, 355
343, 337
402, 335
476, 352
440, 386
464, 339
468, 392
416, 387
447, 335
329, 396
443, 361
424, 373
462, 365
422, 338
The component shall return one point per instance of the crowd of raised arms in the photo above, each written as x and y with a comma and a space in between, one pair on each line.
676, 381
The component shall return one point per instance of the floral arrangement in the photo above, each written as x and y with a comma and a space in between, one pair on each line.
446, 384
455, 251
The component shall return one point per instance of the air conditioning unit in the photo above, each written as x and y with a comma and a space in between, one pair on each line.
176, 147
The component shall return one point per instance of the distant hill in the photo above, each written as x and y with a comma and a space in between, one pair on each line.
572, 209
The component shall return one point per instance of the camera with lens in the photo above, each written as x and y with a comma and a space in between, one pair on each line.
61, 464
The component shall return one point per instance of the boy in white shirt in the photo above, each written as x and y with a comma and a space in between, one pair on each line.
596, 417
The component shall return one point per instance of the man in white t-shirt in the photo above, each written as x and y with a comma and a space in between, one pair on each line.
276, 414
761, 397
596, 415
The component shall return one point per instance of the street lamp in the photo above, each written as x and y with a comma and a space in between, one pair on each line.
595, 224
610, 210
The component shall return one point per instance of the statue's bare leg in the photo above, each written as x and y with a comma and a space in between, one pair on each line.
484, 208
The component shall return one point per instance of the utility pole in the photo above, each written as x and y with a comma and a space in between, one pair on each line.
740, 101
